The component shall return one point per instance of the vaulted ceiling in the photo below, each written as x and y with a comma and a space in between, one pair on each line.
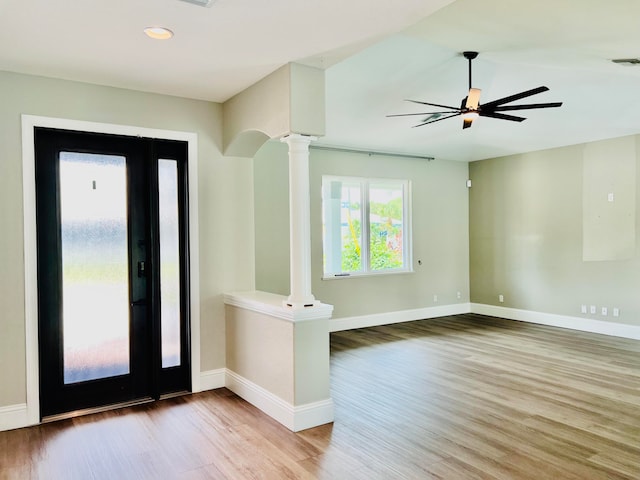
376, 54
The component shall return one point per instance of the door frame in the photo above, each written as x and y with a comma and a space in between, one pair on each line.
29, 123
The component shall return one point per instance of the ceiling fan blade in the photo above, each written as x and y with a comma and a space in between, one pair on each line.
513, 98
436, 120
434, 105
501, 116
529, 106
467, 123
473, 99
422, 113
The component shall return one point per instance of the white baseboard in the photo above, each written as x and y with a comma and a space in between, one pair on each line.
295, 418
563, 321
14, 416
312, 414
387, 318
212, 379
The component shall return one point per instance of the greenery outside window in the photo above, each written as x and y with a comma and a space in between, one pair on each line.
366, 226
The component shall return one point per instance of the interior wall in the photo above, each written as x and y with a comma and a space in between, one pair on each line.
225, 202
271, 210
527, 235
259, 349
439, 221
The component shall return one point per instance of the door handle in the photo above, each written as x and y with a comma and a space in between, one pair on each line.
139, 303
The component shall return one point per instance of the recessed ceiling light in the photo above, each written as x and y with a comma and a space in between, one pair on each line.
158, 33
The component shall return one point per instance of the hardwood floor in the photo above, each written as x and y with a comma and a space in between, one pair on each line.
463, 397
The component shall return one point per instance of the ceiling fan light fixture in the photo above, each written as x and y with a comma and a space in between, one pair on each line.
158, 33
473, 99
472, 115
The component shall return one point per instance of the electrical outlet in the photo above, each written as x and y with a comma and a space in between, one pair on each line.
501, 298
435, 299
459, 295
616, 312
592, 310
583, 309
605, 311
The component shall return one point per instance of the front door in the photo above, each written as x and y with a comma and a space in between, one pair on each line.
111, 215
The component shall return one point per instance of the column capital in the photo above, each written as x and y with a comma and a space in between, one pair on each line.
298, 138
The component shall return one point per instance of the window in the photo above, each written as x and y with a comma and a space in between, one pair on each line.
366, 226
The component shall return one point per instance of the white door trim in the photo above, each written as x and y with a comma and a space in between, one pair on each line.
29, 122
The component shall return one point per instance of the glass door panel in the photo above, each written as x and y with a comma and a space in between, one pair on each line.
95, 274
169, 228
112, 269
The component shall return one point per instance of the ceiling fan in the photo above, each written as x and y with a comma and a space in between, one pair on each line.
470, 108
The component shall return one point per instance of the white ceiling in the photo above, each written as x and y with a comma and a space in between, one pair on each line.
216, 52
376, 54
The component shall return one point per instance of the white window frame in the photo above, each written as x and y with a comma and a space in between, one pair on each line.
407, 240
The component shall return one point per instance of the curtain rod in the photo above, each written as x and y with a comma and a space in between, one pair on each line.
371, 152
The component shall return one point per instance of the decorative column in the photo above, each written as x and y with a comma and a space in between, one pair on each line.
299, 222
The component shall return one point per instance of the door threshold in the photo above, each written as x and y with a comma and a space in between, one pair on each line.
112, 406
180, 393
89, 411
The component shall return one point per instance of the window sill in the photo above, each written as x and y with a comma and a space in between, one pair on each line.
367, 274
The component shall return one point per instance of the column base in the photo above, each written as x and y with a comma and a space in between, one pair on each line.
301, 305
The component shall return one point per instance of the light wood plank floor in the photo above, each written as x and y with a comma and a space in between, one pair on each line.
463, 397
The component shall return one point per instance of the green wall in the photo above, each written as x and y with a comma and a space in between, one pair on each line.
225, 202
440, 231
532, 223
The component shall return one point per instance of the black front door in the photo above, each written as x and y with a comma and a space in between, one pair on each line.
113, 317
